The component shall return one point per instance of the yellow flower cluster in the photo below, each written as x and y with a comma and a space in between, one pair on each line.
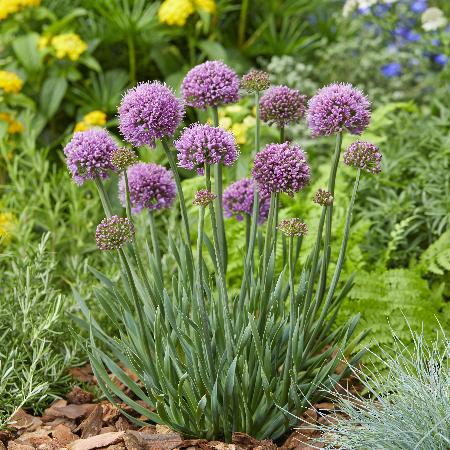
90, 120
14, 127
10, 82
8, 7
7, 224
176, 12
238, 129
66, 45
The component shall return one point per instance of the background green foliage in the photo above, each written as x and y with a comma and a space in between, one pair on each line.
400, 241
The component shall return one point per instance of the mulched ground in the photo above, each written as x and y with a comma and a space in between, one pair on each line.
76, 423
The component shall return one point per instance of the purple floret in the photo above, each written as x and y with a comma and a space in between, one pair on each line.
363, 155
281, 168
203, 144
148, 112
238, 200
151, 186
336, 108
88, 155
282, 106
212, 83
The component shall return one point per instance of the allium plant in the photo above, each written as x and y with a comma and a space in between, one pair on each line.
195, 355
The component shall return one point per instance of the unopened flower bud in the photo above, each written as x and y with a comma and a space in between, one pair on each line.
293, 227
323, 197
123, 157
114, 232
255, 81
203, 198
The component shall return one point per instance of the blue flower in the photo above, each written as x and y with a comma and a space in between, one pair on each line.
441, 59
419, 6
393, 69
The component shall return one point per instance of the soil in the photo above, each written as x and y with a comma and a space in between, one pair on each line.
78, 423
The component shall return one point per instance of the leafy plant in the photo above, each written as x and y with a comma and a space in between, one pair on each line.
408, 407
33, 357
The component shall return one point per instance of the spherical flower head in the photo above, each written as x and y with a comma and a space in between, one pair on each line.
212, 83
323, 197
238, 200
363, 155
293, 227
175, 12
282, 106
88, 155
10, 82
151, 186
113, 233
203, 144
123, 158
69, 45
208, 6
255, 81
281, 168
148, 112
203, 198
336, 108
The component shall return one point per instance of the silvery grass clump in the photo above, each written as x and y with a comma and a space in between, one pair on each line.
408, 406
209, 362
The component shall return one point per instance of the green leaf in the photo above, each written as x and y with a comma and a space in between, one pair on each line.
26, 49
52, 93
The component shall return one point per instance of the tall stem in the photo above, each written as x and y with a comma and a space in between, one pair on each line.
242, 22
282, 139
258, 124
103, 197
127, 195
155, 245
269, 229
176, 176
131, 59
218, 184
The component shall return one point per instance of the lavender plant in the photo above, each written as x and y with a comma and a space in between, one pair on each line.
210, 362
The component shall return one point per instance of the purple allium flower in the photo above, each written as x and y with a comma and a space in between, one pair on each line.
393, 69
212, 83
238, 200
88, 155
281, 168
255, 81
203, 144
148, 112
282, 106
323, 197
293, 227
363, 155
113, 232
151, 186
203, 198
123, 157
337, 107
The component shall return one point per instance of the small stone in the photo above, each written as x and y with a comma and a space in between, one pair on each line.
163, 429
21, 420
79, 396
63, 434
13, 445
101, 440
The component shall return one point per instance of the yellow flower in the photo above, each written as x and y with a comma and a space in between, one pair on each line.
175, 12
206, 5
70, 45
240, 132
95, 118
10, 82
7, 224
249, 121
8, 7
44, 42
92, 119
14, 126
225, 122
